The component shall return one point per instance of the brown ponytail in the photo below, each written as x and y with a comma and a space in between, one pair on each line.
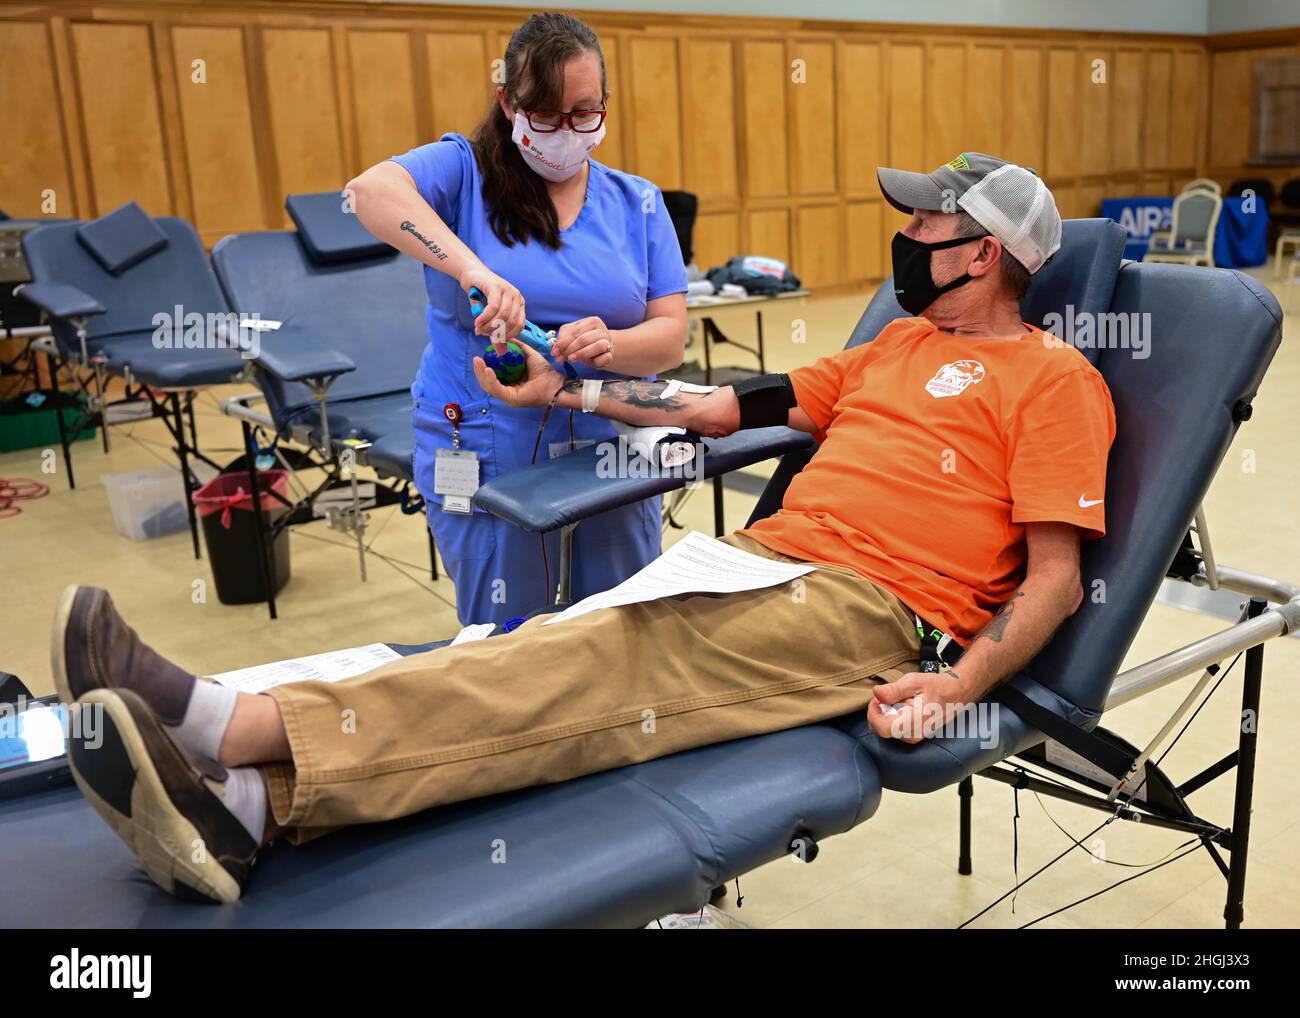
519, 207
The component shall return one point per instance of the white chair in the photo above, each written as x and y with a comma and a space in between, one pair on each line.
1190, 239
1289, 238
1202, 184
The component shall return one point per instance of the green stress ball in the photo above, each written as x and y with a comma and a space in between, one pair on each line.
510, 367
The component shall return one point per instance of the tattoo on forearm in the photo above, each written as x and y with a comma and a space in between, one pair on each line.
997, 626
409, 227
638, 394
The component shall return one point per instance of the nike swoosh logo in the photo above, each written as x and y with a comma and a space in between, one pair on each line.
1089, 503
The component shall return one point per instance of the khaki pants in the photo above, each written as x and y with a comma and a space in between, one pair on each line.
613, 687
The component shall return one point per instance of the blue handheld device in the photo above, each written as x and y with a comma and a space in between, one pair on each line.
533, 335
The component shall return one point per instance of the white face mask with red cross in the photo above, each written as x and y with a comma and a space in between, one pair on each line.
555, 155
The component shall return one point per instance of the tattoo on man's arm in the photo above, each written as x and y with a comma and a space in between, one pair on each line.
997, 626
409, 227
638, 394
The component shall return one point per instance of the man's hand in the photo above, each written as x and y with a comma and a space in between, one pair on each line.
537, 388
925, 703
585, 341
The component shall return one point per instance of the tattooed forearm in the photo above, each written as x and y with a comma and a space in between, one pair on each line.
637, 394
997, 626
409, 227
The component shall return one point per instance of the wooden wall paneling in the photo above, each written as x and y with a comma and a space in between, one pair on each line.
813, 135
73, 138
907, 127
986, 110
1156, 184
1126, 123
861, 117
1230, 99
891, 222
656, 149
1087, 201
1187, 112
769, 234
819, 259
345, 97
302, 95
1231, 95
1064, 74
383, 94
178, 179
717, 238
864, 258
35, 156
613, 149
1095, 75
460, 73
422, 81
1158, 93
1026, 115
219, 146
709, 121
946, 92
117, 81
1066, 196
304, 111
763, 95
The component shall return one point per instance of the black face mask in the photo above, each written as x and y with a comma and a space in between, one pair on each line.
913, 283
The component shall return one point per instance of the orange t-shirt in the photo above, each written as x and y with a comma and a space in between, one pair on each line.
935, 451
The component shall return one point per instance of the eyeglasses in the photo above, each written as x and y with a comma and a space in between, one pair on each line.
581, 121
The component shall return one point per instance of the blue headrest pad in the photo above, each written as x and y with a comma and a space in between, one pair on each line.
329, 234
124, 237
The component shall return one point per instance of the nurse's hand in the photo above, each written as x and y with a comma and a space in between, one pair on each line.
586, 341
503, 317
537, 388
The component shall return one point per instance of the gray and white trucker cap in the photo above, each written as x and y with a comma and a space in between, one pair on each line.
1007, 200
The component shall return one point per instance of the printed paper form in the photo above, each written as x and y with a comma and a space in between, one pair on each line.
694, 565
332, 666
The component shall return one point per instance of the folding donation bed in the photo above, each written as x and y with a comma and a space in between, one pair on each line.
622, 847
133, 297
335, 369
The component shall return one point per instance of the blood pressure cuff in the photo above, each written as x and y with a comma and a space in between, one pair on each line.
765, 401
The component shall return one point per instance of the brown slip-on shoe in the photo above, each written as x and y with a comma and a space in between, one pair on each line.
92, 647
156, 801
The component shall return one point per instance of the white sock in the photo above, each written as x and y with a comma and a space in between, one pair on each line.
206, 719
244, 794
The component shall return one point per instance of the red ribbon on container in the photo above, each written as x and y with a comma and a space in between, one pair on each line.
225, 501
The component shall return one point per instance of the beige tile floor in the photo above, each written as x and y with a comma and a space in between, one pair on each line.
899, 869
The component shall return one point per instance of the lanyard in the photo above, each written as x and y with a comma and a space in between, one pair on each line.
934, 644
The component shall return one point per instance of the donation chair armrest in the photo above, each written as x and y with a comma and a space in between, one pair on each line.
60, 300
568, 489
302, 364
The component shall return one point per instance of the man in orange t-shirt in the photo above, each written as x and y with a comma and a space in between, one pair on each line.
962, 460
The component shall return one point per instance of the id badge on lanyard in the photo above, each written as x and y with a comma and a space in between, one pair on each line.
455, 470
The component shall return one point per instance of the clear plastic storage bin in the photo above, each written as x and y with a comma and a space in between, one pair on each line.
147, 503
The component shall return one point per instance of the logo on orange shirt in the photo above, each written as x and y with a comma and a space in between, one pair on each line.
955, 378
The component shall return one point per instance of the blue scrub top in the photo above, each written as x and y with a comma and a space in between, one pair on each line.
620, 253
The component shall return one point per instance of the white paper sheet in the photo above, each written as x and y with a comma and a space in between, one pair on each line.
474, 631
694, 565
332, 666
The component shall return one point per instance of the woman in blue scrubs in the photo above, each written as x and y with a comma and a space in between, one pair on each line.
520, 211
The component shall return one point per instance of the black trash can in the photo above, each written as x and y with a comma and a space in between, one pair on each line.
225, 508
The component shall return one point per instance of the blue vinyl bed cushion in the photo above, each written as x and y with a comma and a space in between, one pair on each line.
123, 238
329, 234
